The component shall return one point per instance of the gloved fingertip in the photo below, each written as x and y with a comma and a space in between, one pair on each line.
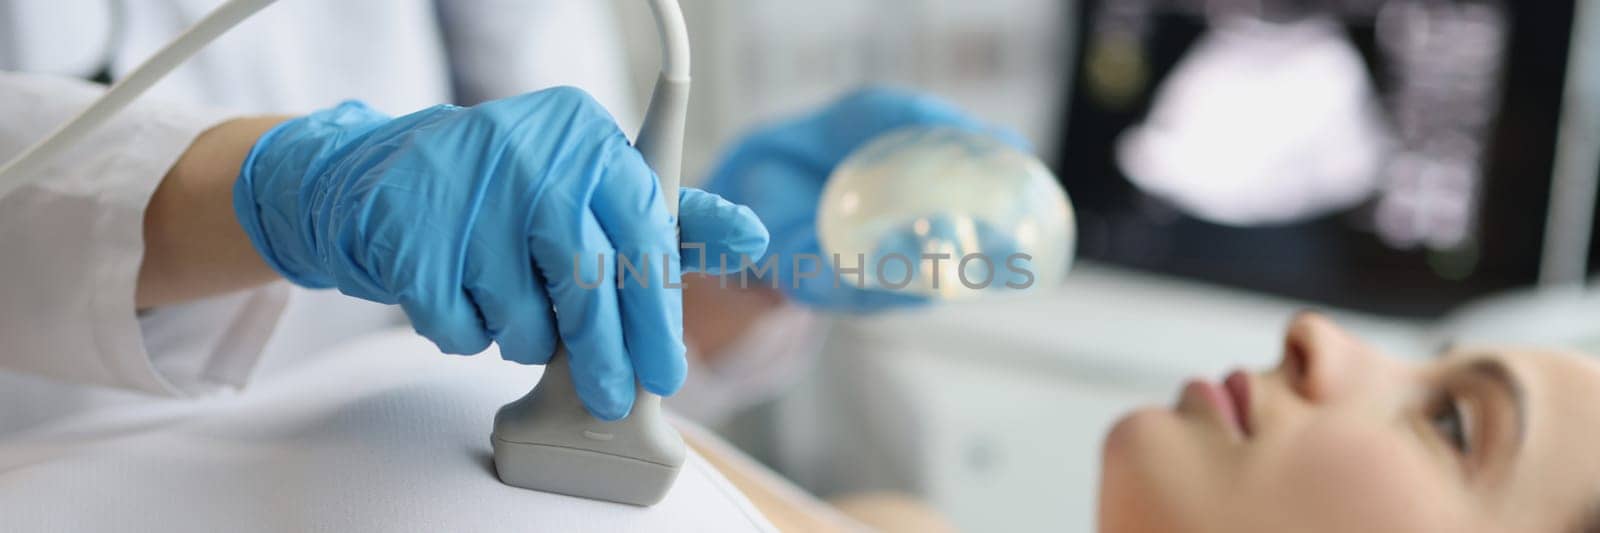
528, 340
504, 356
520, 353
456, 341
663, 373
718, 228
609, 409
461, 347
608, 395
746, 235
663, 388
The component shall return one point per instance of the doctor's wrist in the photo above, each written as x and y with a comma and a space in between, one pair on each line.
194, 246
286, 185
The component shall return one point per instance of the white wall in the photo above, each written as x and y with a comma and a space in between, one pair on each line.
755, 60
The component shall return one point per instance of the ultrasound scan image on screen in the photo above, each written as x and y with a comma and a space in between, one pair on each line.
1392, 156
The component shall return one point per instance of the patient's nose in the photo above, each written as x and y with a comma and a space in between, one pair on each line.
1322, 361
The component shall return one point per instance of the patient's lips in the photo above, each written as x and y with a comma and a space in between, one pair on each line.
1238, 386
1226, 402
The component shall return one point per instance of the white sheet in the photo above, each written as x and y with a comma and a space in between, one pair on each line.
380, 434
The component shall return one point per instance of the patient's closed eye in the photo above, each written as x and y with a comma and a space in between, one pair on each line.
1478, 411
1447, 420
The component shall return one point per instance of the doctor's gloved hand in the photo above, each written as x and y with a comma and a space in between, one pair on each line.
502, 222
780, 170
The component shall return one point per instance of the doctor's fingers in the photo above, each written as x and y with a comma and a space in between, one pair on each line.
441, 311
629, 206
717, 234
575, 257
510, 296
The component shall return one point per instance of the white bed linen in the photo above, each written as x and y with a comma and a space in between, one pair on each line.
382, 433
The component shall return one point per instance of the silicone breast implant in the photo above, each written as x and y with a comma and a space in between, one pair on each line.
947, 214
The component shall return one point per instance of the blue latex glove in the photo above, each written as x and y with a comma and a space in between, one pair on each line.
779, 171
471, 220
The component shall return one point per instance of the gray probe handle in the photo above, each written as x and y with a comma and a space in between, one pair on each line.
546, 440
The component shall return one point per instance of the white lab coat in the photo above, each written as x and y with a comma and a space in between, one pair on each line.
70, 246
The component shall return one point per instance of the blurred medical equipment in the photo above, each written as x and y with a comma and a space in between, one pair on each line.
1261, 123
946, 213
780, 172
546, 441
1199, 144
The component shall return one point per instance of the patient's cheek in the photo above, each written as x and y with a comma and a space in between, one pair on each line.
1360, 479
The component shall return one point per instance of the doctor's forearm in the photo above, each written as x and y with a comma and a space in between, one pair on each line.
193, 244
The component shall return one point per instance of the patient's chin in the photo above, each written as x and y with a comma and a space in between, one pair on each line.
1128, 505
1133, 431
1137, 457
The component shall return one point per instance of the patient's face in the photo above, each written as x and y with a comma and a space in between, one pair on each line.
1340, 437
